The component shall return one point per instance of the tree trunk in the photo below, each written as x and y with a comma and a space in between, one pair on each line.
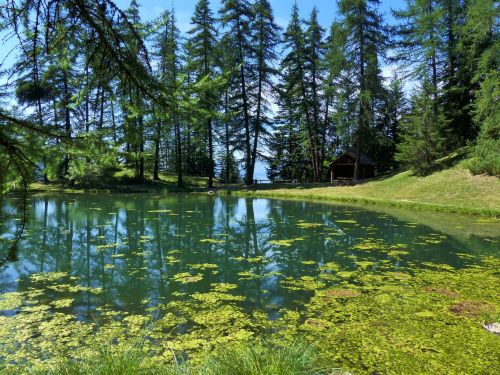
227, 137
178, 150
67, 119
248, 157
362, 88
310, 133
141, 147
210, 155
156, 167
259, 97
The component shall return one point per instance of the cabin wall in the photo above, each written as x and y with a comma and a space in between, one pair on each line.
347, 171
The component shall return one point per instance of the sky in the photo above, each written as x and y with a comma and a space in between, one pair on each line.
282, 8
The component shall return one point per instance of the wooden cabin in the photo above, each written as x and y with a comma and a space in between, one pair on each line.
343, 166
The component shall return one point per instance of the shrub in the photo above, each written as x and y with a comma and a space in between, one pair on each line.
486, 158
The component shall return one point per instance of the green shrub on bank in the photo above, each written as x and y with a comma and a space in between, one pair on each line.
486, 159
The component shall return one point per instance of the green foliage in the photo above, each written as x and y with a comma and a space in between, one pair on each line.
482, 44
166, 103
106, 360
486, 157
254, 358
229, 171
92, 162
421, 133
29, 92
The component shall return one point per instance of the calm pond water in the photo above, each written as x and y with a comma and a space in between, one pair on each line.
141, 250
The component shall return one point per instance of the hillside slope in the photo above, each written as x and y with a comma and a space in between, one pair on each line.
452, 189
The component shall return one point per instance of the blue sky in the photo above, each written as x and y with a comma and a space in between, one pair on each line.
184, 9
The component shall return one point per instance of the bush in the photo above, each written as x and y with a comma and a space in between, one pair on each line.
486, 158
92, 162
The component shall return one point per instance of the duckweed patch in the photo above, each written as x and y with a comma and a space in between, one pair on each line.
309, 225
286, 243
211, 241
186, 277
431, 323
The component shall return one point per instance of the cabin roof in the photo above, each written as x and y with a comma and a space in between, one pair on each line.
365, 160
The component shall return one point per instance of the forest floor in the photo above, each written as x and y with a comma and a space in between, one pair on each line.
450, 187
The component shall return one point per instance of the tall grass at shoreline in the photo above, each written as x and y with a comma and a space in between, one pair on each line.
255, 358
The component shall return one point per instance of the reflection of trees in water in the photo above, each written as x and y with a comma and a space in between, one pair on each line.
80, 236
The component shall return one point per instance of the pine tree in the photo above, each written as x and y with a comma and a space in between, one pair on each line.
339, 90
202, 54
296, 91
365, 45
169, 53
229, 172
394, 109
236, 16
427, 46
421, 131
314, 70
419, 47
481, 42
133, 105
457, 76
266, 38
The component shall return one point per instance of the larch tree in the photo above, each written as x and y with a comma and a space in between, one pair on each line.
265, 39
203, 61
314, 47
236, 17
365, 46
420, 49
293, 67
480, 42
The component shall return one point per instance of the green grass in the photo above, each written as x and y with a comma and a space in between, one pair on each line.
297, 358
124, 180
451, 188
258, 358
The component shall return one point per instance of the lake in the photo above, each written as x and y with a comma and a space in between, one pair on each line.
142, 250
212, 267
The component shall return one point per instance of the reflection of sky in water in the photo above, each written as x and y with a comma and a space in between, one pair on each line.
131, 246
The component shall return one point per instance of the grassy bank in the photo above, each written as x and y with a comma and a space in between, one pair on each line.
259, 358
450, 189
124, 181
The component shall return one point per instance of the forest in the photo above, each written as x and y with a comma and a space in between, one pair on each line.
89, 88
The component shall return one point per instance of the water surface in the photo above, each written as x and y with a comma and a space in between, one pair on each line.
142, 250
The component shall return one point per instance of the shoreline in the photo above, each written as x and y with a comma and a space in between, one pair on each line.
273, 193
399, 203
